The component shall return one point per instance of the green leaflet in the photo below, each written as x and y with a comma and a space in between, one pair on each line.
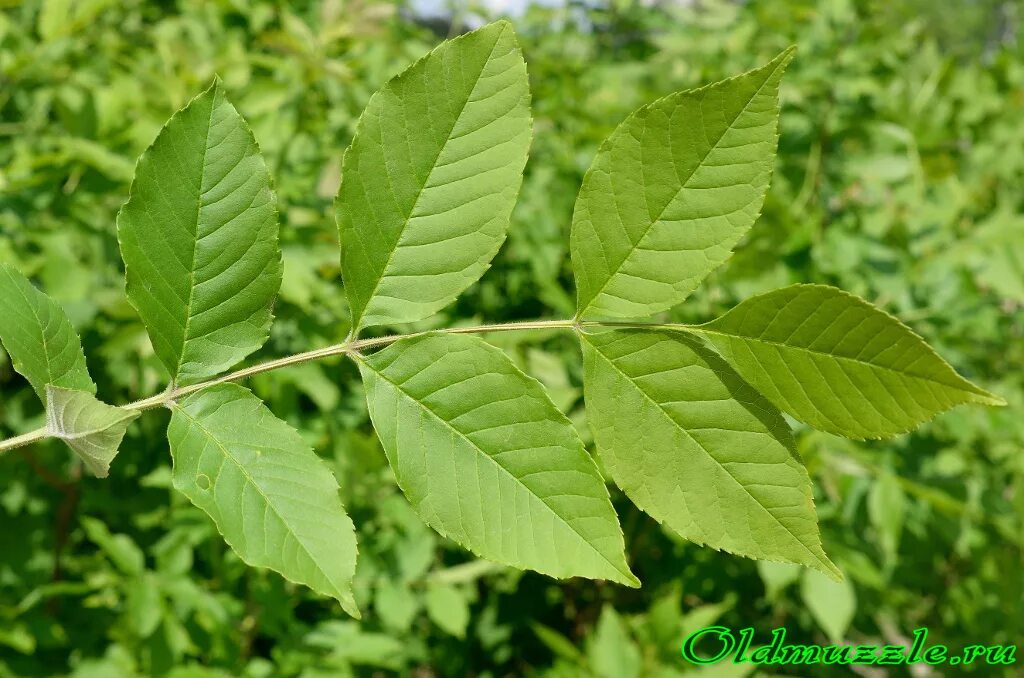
836, 362
691, 443
199, 240
487, 460
671, 192
38, 336
271, 496
431, 177
90, 427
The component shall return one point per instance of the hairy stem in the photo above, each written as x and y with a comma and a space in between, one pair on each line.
349, 346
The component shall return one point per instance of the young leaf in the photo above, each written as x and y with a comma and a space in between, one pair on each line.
90, 427
698, 449
431, 177
670, 193
487, 460
273, 499
837, 363
38, 336
199, 240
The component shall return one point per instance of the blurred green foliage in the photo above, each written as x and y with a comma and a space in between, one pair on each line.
899, 178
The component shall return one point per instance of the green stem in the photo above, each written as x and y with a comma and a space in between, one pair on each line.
344, 348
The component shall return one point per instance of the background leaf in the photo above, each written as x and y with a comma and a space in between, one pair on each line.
694, 446
90, 427
38, 336
671, 192
272, 498
836, 362
199, 240
431, 177
612, 653
487, 460
832, 603
448, 608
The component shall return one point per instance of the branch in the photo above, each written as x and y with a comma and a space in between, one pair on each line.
344, 348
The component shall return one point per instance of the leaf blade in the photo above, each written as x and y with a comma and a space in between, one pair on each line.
695, 447
699, 194
487, 448
235, 460
398, 260
39, 337
91, 428
198, 236
807, 348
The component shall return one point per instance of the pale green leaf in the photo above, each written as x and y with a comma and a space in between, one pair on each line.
124, 553
274, 500
611, 652
199, 240
832, 603
698, 449
886, 509
448, 608
671, 192
395, 604
38, 336
836, 362
90, 427
431, 177
487, 460
143, 607
777, 577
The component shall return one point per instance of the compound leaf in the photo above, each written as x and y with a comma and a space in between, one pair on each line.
199, 240
670, 193
431, 177
487, 460
837, 363
38, 336
691, 443
271, 496
90, 427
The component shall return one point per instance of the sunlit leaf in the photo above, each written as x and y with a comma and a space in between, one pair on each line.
694, 446
836, 362
199, 240
671, 192
487, 460
273, 499
431, 177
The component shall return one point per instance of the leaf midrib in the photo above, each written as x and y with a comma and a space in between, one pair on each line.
696, 442
634, 245
484, 454
778, 344
195, 238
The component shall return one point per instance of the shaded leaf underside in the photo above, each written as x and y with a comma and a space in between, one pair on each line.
91, 428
